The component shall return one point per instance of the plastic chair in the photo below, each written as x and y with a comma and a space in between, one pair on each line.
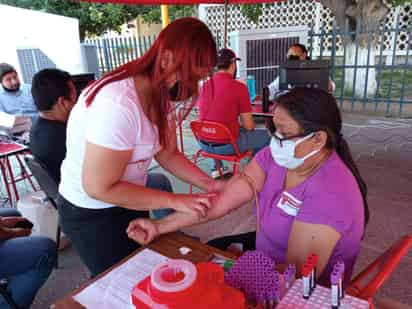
48, 185
7, 151
368, 282
214, 132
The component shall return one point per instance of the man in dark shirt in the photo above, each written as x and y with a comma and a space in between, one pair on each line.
54, 95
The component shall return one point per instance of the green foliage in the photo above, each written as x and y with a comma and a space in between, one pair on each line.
175, 12
400, 2
252, 11
94, 18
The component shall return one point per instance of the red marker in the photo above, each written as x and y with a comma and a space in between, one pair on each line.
313, 260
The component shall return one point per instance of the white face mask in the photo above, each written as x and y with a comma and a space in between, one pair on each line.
284, 155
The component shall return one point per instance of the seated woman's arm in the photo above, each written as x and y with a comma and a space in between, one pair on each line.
308, 238
236, 193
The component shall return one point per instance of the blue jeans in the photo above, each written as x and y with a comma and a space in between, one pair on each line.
159, 182
27, 263
253, 140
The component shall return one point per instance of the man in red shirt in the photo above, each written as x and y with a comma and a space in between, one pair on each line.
223, 99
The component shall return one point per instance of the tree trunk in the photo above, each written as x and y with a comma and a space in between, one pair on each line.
365, 77
361, 15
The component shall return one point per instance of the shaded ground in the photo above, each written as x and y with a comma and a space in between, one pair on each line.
382, 148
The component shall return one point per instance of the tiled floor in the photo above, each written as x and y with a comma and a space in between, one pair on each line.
382, 148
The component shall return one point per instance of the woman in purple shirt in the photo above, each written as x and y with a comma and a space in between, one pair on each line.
311, 197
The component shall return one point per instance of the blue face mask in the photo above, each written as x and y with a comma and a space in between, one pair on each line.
283, 152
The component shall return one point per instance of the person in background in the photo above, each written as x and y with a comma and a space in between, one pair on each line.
15, 98
119, 124
54, 95
311, 196
296, 52
26, 261
223, 99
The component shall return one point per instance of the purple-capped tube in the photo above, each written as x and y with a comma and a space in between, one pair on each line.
334, 285
286, 277
342, 269
339, 268
292, 273
289, 275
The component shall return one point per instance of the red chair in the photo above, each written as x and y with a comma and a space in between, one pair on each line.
7, 151
214, 132
367, 283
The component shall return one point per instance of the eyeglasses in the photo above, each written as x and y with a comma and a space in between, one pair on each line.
273, 132
282, 139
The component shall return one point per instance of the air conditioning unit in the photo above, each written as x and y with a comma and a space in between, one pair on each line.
32, 60
90, 59
263, 50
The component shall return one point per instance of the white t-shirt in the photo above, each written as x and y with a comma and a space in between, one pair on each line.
114, 120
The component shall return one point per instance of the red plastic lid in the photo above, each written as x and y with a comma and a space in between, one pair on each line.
306, 269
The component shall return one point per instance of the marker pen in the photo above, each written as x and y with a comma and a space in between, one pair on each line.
314, 261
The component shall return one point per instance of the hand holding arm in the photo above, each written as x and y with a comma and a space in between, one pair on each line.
235, 193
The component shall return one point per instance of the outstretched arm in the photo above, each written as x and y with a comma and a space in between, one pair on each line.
237, 192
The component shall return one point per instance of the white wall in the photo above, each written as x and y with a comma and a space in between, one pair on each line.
57, 36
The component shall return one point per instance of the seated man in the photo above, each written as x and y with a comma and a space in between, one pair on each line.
295, 52
223, 99
26, 261
54, 95
15, 98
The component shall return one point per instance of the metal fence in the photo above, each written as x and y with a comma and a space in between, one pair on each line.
392, 71
113, 52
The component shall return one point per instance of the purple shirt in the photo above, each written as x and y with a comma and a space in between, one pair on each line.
331, 197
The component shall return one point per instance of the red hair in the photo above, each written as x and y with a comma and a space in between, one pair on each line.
194, 52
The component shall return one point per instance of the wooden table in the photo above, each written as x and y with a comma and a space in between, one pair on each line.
167, 245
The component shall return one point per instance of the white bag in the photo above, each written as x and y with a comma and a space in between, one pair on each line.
37, 208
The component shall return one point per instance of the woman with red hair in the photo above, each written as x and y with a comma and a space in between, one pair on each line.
118, 125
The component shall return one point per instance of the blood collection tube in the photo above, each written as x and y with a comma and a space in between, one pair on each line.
334, 284
306, 269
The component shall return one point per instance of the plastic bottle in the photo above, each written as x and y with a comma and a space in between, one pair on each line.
251, 86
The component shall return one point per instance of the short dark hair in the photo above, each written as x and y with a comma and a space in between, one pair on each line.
225, 57
5, 68
47, 86
301, 46
303, 49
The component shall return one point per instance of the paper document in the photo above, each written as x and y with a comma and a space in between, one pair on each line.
115, 288
14, 123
